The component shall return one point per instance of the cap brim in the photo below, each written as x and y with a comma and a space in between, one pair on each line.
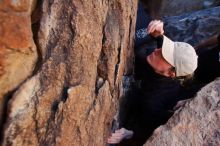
168, 50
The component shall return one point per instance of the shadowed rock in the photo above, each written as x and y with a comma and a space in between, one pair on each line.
193, 27
177, 7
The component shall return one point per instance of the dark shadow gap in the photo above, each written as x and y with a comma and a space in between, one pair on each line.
35, 19
4, 117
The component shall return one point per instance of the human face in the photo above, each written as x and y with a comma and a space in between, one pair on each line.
159, 64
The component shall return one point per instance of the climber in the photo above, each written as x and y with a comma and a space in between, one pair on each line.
171, 60
168, 61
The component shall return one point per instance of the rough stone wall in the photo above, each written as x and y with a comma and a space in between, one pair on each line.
17, 49
195, 124
84, 48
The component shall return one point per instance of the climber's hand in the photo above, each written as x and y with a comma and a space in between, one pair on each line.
119, 135
155, 28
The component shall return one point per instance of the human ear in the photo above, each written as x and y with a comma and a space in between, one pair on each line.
172, 74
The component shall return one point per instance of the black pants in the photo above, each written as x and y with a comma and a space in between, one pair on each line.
142, 111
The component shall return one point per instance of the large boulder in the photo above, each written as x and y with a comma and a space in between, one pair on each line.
18, 52
196, 123
85, 48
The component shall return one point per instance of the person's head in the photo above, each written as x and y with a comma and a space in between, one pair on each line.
174, 59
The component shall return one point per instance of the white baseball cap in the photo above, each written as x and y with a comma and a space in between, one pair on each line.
180, 55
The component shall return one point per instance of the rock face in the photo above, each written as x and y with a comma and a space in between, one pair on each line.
197, 123
17, 49
84, 49
193, 27
177, 7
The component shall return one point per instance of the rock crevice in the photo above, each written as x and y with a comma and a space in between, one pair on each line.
71, 91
